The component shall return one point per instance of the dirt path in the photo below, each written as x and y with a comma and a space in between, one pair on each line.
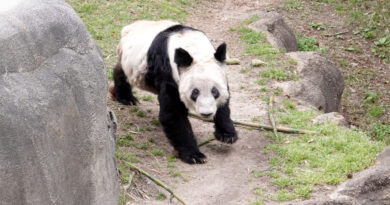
227, 177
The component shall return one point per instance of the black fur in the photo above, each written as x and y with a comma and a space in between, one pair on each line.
182, 58
173, 113
122, 89
220, 54
224, 128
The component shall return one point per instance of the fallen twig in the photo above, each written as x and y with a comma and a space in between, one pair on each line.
271, 117
206, 141
158, 182
336, 34
260, 126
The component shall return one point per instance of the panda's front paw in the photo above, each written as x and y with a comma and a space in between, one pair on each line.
192, 157
129, 100
226, 137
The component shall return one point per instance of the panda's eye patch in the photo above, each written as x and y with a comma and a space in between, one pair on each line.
215, 92
195, 94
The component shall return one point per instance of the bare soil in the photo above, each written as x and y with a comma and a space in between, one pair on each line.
226, 178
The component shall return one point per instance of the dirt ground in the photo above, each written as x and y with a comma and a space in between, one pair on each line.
227, 176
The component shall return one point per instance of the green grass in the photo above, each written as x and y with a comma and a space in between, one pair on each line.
307, 44
309, 160
147, 98
161, 196
256, 42
157, 152
371, 20
278, 74
105, 19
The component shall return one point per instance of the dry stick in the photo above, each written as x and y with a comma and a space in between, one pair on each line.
271, 117
261, 126
158, 182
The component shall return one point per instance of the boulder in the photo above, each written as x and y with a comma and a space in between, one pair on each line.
320, 83
57, 137
368, 187
332, 117
277, 31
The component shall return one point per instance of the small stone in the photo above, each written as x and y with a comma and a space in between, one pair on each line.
332, 117
257, 63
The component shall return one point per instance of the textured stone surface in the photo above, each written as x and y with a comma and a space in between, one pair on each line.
332, 117
56, 141
368, 187
320, 83
277, 32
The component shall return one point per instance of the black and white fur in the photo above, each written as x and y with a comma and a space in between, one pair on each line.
179, 64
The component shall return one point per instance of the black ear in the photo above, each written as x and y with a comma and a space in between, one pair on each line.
220, 54
182, 58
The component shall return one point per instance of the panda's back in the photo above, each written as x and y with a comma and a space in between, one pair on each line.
136, 39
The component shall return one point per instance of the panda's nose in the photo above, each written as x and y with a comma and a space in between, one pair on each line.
206, 114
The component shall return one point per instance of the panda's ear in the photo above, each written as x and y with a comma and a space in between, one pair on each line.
182, 58
220, 54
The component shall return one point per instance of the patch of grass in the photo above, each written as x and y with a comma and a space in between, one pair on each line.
278, 74
139, 113
155, 122
307, 44
318, 26
372, 20
161, 196
249, 20
243, 70
256, 43
375, 111
263, 90
176, 174
147, 98
283, 195
288, 104
381, 132
309, 160
157, 152
105, 19
262, 81
143, 146
125, 140
292, 5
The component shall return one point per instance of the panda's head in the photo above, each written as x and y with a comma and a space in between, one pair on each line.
203, 84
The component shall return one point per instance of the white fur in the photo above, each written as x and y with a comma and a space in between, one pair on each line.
204, 73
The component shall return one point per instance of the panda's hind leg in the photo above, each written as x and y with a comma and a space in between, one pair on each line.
122, 90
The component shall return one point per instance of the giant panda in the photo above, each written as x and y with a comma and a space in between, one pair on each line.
180, 65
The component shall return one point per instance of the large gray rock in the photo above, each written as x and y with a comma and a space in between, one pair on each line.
320, 83
56, 136
277, 31
368, 187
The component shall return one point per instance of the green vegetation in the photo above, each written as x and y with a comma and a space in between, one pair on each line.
157, 152
256, 41
147, 98
161, 196
307, 44
105, 19
278, 74
371, 18
307, 160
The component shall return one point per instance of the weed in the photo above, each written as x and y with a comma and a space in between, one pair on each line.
283, 195
381, 132
292, 5
161, 196
262, 81
147, 98
157, 152
155, 122
288, 104
307, 43
140, 113
318, 26
375, 111
263, 90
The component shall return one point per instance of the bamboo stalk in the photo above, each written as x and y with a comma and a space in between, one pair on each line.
271, 117
206, 141
260, 126
157, 181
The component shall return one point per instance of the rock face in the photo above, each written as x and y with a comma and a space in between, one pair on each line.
368, 187
320, 83
278, 33
56, 141
332, 117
